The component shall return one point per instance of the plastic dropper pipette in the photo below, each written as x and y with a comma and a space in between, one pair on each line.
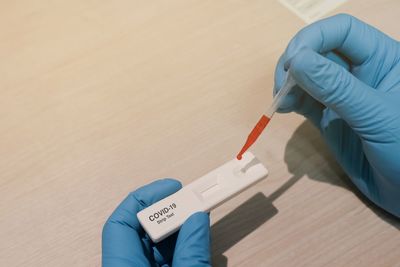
266, 117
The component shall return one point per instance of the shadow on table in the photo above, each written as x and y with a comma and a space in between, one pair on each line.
238, 224
243, 220
301, 152
307, 143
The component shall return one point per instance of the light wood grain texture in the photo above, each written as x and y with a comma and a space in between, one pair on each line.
101, 97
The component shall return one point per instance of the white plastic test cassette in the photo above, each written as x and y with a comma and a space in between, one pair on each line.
165, 217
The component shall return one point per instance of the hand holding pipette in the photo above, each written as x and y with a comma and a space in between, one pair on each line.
266, 117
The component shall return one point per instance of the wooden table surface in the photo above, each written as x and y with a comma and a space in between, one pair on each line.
101, 97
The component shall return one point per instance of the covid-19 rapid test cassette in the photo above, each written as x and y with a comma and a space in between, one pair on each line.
165, 217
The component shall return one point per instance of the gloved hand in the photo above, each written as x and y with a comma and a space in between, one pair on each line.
348, 85
126, 244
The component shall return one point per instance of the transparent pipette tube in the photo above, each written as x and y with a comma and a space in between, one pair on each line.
287, 85
264, 120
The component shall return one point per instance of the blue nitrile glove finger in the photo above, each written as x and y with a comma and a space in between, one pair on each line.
360, 115
337, 89
193, 243
298, 100
124, 242
365, 150
361, 45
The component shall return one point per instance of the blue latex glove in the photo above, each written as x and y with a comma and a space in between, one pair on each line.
126, 244
348, 76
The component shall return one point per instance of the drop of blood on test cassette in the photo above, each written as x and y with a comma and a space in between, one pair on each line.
254, 134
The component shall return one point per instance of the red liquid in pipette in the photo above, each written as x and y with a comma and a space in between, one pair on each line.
254, 134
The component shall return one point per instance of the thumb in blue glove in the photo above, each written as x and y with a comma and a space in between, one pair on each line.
348, 76
193, 243
124, 242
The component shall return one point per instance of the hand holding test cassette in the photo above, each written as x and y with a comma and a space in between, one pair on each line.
163, 218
